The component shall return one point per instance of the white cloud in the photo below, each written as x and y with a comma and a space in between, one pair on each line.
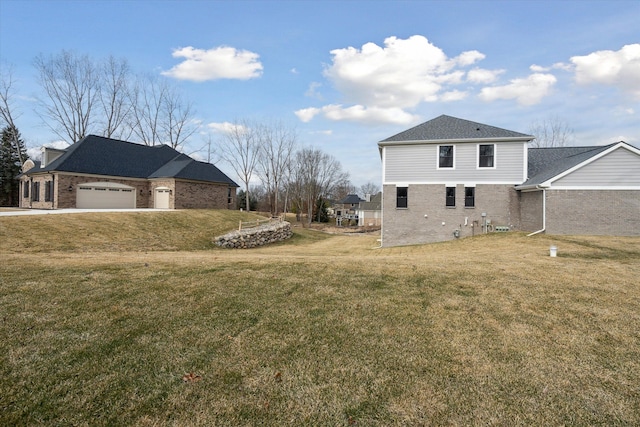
614, 68
358, 113
381, 82
557, 66
226, 127
480, 75
218, 63
528, 91
312, 92
307, 114
322, 132
469, 57
401, 74
454, 95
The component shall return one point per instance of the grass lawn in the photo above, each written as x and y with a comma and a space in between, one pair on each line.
137, 319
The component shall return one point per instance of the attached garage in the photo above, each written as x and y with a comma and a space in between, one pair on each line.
105, 195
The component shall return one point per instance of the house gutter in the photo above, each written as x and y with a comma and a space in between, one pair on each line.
544, 213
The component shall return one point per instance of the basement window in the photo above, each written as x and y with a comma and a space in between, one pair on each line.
469, 197
402, 197
450, 197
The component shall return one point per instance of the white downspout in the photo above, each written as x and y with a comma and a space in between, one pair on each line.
544, 214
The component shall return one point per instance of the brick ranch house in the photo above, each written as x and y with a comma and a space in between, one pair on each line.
449, 178
98, 172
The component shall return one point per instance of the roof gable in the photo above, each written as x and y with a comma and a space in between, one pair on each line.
184, 167
548, 164
451, 128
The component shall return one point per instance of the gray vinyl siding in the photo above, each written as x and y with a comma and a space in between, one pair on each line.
418, 164
618, 168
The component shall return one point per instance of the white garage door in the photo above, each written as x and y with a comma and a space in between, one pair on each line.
105, 195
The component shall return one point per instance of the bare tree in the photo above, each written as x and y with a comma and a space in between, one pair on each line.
159, 114
369, 188
177, 122
240, 148
551, 132
8, 114
71, 84
147, 97
315, 175
115, 98
277, 144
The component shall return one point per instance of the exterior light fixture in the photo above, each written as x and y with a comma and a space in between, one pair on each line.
70, 188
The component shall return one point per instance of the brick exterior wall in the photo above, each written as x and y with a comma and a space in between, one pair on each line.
530, 211
593, 212
66, 199
184, 194
410, 226
202, 195
41, 203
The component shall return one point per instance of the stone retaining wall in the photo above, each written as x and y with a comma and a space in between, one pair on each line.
257, 236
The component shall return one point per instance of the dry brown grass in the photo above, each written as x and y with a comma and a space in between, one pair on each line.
323, 330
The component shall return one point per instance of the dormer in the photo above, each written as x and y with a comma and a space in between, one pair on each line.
49, 155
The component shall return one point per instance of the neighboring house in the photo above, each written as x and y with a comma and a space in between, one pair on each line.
99, 172
345, 209
450, 177
369, 211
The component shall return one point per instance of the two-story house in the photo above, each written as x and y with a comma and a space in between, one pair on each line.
449, 178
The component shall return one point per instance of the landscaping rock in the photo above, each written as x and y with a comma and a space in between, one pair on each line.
257, 236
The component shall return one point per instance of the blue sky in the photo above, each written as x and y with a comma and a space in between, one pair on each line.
347, 74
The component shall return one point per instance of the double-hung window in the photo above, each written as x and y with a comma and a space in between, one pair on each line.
48, 191
402, 197
25, 190
35, 192
450, 197
469, 197
446, 157
486, 156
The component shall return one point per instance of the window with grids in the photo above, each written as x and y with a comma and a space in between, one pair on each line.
402, 197
35, 192
486, 155
450, 197
469, 197
48, 191
445, 156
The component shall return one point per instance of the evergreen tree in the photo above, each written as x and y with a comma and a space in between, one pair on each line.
322, 213
12, 149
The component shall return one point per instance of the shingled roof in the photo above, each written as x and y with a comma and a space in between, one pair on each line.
98, 155
545, 163
451, 128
